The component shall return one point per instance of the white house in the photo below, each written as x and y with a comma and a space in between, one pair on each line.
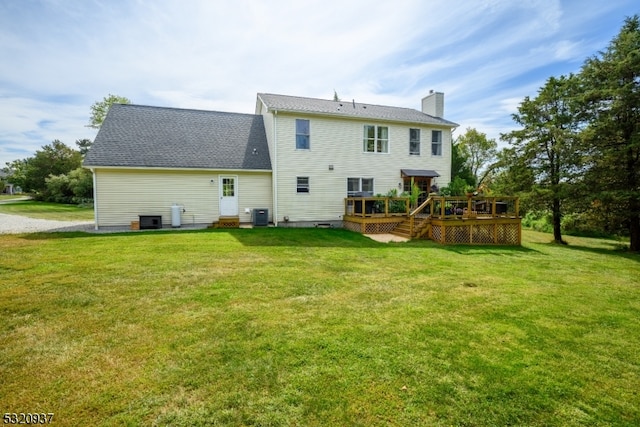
295, 158
7, 188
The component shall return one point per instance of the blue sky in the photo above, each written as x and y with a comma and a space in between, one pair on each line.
58, 57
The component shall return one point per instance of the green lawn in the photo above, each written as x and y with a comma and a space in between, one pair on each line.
43, 210
317, 328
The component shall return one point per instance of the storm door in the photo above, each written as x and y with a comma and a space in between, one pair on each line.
228, 195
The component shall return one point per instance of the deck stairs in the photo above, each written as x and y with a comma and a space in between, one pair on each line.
421, 226
227, 222
421, 221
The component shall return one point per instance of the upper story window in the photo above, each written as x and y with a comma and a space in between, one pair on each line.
302, 184
376, 139
436, 142
414, 142
302, 134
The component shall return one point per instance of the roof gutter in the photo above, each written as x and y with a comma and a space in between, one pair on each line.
95, 198
274, 168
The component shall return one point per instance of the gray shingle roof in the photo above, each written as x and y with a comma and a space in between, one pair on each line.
349, 109
143, 136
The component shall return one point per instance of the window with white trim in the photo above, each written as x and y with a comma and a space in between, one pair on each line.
359, 185
303, 134
376, 139
436, 142
302, 184
414, 142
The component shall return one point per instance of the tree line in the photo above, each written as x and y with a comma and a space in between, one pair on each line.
575, 161
55, 173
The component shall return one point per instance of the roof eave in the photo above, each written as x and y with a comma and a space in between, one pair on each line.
446, 124
146, 168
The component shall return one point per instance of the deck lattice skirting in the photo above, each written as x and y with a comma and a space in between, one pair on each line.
227, 222
498, 231
371, 226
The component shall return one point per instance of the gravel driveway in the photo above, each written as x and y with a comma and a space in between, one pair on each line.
15, 224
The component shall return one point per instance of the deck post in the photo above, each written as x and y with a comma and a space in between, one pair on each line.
411, 225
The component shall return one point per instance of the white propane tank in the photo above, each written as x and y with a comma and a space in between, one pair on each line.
176, 213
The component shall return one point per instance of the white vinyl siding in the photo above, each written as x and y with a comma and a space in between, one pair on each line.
123, 194
337, 154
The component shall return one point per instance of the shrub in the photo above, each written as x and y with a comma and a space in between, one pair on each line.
57, 189
538, 221
81, 184
75, 187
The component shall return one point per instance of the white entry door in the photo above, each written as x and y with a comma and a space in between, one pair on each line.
228, 195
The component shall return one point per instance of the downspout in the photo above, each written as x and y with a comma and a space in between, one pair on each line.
275, 168
95, 198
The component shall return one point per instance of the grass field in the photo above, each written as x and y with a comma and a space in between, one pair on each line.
317, 328
43, 210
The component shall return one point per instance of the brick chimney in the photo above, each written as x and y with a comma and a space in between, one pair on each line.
433, 104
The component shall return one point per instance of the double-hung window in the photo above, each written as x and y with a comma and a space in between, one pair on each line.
302, 184
303, 134
436, 142
414, 142
359, 185
376, 139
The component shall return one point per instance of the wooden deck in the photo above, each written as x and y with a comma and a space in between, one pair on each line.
447, 220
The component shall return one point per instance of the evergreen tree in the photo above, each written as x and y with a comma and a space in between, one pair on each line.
548, 143
611, 84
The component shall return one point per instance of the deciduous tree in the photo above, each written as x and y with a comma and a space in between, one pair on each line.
460, 166
100, 108
478, 150
53, 159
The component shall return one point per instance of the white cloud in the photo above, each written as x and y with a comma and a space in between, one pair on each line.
217, 55
33, 123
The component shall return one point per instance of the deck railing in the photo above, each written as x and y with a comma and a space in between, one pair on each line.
475, 207
443, 207
382, 207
